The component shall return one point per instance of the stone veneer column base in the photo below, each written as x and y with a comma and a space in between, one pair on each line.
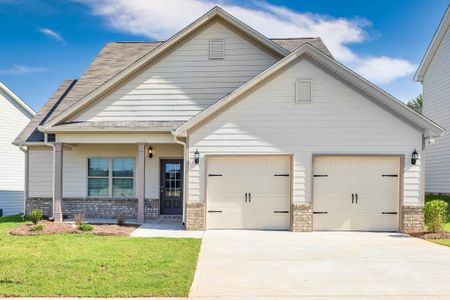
301, 217
412, 218
107, 208
195, 216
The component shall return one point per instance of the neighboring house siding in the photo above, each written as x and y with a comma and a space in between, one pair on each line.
75, 167
185, 82
436, 92
12, 120
338, 121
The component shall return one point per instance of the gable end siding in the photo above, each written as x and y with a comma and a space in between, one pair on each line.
339, 121
184, 82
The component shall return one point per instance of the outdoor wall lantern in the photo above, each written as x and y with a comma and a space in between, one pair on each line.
196, 156
150, 152
414, 157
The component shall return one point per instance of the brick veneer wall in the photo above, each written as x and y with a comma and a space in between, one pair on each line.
301, 217
195, 216
96, 207
412, 218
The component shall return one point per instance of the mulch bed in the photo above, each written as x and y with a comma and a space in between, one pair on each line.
432, 236
53, 228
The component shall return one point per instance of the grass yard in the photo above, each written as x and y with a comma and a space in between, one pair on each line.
94, 266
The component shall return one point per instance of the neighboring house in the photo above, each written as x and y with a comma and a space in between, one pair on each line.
14, 115
225, 128
434, 74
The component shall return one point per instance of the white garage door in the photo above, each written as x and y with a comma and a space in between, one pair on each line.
248, 192
356, 193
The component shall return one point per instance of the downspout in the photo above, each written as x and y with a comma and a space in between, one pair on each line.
186, 163
53, 172
25, 185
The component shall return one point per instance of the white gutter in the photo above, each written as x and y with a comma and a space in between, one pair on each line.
25, 185
185, 164
53, 171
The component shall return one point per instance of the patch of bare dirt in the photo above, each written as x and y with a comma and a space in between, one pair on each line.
111, 229
432, 235
53, 228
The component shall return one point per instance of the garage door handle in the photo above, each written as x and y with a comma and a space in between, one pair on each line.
389, 213
356, 198
249, 197
281, 211
245, 197
214, 211
353, 198
320, 212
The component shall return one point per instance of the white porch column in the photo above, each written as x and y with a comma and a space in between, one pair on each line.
140, 182
58, 181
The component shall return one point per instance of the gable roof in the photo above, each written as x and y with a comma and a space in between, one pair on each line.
433, 47
142, 62
26, 109
430, 129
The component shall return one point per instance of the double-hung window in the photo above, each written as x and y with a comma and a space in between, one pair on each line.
111, 177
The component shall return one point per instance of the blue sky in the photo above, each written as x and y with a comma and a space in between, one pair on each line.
44, 42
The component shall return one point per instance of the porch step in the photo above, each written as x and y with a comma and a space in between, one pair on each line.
171, 218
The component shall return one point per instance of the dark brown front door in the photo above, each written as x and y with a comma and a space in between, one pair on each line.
171, 186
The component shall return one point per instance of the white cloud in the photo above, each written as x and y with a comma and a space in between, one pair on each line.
384, 69
52, 34
21, 69
160, 19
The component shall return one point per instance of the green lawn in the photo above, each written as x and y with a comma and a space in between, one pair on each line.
445, 198
94, 266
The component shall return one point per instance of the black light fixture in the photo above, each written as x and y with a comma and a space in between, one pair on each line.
414, 157
150, 152
196, 156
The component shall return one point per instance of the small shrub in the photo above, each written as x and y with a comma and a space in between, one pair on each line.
36, 215
79, 218
85, 227
435, 215
37, 228
120, 219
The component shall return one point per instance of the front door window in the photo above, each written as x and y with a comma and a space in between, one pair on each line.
171, 192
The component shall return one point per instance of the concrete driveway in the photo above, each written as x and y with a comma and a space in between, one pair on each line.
320, 265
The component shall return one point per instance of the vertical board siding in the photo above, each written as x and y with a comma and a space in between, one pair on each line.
436, 92
184, 82
75, 167
338, 121
12, 168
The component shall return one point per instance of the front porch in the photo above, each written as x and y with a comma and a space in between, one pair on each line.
140, 182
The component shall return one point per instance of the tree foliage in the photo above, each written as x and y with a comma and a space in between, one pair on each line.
416, 102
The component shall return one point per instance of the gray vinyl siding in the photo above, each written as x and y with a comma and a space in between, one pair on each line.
184, 82
436, 92
339, 120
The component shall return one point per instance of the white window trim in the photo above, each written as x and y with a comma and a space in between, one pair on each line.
110, 177
210, 49
311, 82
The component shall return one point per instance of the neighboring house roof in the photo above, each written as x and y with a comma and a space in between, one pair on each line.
430, 129
27, 110
433, 47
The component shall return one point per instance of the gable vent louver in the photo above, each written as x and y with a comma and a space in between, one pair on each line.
304, 91
216, 49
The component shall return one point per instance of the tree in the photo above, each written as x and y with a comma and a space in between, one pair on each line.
416, 103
